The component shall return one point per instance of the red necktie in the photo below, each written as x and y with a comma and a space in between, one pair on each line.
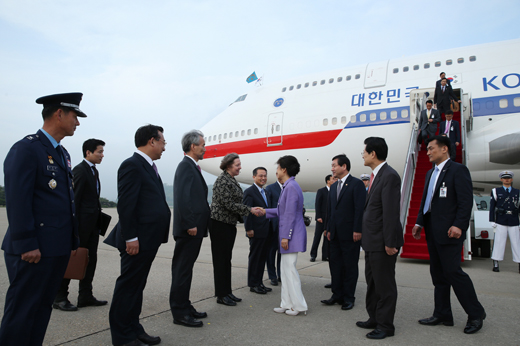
371, 180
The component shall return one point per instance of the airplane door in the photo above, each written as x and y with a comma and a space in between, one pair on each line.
274, 129
375, 75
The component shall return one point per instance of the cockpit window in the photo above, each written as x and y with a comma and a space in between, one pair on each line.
241, 98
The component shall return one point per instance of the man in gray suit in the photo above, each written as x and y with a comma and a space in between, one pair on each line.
428, 121
382, 238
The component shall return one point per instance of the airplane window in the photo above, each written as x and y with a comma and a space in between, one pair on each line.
308, 123
340, 79
516, 101
357, 76
343, 120
219, 137
449, 62
314, 83
241, 98
283, 90
249, 132
415, 67
331, 80
325, 122
236, 133
405, 69
396, 70
256, 131
243, 133
373, 116
298, 86
427, 65
207, 140
322, 81
362, 117
489, 104
225, 135
291, 88
214, 137
334, 121
502, 103
472, 58
231, 135
306, 85
316, 123
404, 113
348, 78
393, 114
382, 115
353, 119
437, 63
460, 60
277, 128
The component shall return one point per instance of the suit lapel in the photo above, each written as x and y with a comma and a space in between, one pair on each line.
345, 186
375, 182
198, 173
441, 178
91, 178
259, 195
149, 169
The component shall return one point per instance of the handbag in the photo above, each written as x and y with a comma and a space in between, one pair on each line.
77, 264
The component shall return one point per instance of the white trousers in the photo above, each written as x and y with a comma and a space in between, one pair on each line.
499, 245
292, 295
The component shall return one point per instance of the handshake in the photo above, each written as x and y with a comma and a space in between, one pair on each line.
258, 211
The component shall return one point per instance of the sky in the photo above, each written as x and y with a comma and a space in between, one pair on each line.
178, 64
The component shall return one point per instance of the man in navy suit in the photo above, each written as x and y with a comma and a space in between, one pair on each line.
346, 202
321, 220
273, 254
450, 128
443, 96
445, 213
42, 226
258, 230
144, 222
190, 225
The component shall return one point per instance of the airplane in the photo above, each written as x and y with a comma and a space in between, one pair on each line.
318, 116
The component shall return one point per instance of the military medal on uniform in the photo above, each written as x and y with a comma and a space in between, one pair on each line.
53, 184
51, 161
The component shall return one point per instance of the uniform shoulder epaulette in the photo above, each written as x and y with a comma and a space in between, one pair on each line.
32, 138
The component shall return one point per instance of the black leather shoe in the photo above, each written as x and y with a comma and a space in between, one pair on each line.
274, 282
267, 289
257, 289
332, 301
188, 321
148, 339
496, 270
474, 326
136, 342
347, 306
226, 301
197, 314
92, 301
329, 285
64, 306
313, 259
366, 324
232, 297
378, 334
433, 321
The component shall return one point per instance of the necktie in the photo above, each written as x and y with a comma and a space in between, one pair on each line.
96, 175
155, 169
447, 131
442, 89
60, 152
263, 195
431, 187
371, 180
428, 113
198, 167
338, 189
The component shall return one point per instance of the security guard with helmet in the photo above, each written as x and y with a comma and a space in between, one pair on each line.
42, 226
503, 215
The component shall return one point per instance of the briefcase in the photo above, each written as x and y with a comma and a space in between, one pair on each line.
77, 264
103, 223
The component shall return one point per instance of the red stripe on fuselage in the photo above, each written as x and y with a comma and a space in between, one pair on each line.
259, 145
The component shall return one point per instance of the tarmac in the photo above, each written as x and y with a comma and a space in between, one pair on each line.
253, 322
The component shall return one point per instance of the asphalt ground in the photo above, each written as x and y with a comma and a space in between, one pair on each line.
253, 322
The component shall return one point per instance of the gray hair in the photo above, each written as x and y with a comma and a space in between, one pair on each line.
189, 138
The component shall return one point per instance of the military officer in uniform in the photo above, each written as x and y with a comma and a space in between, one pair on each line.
365, 178
503, 215
42, 227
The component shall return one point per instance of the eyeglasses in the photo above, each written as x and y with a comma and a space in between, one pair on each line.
161, 140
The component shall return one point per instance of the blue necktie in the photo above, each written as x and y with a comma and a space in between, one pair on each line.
431, 187
263, 195
60, 152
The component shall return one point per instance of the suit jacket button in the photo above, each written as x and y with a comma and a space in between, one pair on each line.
41, 225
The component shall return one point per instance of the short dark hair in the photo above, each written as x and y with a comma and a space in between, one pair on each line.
440, 74
228, 160
290, 163
91, 145
444, 79
48, 111
328, 177
342, 160
378, 145
145, 133
449, 111
189, 138
442, 141
256, 170
429, 101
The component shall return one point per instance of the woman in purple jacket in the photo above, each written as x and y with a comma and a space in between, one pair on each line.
292, 236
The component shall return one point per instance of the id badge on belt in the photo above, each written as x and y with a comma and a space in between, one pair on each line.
443, 193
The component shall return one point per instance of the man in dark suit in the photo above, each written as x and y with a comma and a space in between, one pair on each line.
438, 83
346, 202
190, 225
87, 189
144, 222
445, 212
382, 239
258, 230
428, 121
443, 96
450, 128
273, 253
42, 226
321, 220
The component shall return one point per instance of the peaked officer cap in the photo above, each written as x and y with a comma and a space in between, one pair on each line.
69, 100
